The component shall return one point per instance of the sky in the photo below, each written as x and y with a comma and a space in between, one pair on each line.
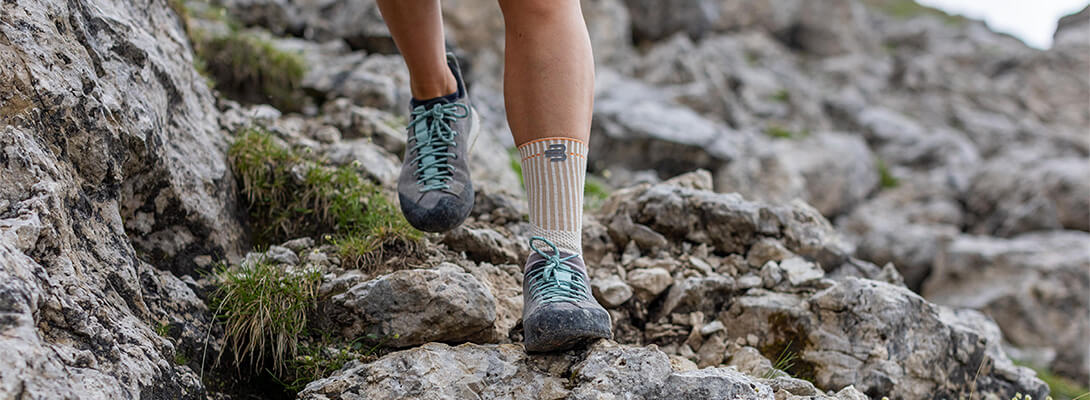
1033, 21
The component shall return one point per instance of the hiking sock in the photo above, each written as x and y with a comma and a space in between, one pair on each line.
553, 172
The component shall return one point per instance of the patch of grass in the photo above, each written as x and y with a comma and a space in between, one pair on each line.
781, 132
595, 192
289, 196
1061, 388
906, 9
784, 362
251, 69
163, 329
781, 96
885, 177
180, 358
324, 355
264, 310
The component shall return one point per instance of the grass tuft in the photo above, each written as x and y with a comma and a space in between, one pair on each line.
251, 69
241, 65
289, 196
1061, 388
264, 309
785, 361
886, 178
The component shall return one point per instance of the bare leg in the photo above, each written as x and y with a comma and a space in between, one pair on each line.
548, 82
417, 28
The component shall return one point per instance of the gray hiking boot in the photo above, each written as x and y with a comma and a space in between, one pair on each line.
558, 310
434, 188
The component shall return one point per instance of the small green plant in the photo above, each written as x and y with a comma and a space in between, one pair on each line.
323, 355
595, 191
782, 96
163, 329
885, 177
784, 362
1061, 388
264, 310
781, 132
290, 196
180, 358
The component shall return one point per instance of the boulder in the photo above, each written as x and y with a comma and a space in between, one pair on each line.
413, 307
1034, 285
905, 347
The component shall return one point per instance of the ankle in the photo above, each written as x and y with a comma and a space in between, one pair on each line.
443, 85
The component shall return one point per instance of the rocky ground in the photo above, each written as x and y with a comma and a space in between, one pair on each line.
843, 199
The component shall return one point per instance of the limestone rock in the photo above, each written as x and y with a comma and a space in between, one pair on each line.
606, 370
888, 353
1034, 285
611, 291
413, 307
97, 182
649, 282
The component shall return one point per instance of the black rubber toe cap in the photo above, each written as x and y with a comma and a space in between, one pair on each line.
561, 326
448, 213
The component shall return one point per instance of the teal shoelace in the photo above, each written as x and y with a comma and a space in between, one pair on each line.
555, 281
434, 133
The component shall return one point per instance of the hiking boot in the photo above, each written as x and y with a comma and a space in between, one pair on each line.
434, 188
559, 311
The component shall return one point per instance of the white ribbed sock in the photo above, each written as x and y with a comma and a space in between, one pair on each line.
553, 171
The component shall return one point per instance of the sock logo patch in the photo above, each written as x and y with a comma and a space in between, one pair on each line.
557, 152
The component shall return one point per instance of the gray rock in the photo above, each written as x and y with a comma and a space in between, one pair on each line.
1034, 286
1024, 193
368, 158
634, 128
413, 307
484, 244
649, 282
607, 370
91, 174
890, 352
839, 170
798, 271
727, 222
611, 291
282, 255
358, 23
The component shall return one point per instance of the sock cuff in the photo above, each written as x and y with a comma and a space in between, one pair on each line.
554, 148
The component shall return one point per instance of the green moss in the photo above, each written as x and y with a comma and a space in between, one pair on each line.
906, 9
289, 196
163, 329
781, 132
322, 355
264, 310
250, 69
782, 96
885, 177
1060, 387
180, 358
